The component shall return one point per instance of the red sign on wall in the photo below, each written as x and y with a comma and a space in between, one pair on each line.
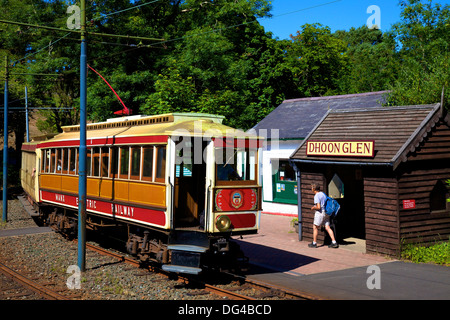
409, 204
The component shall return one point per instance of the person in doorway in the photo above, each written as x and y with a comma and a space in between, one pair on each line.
320, 217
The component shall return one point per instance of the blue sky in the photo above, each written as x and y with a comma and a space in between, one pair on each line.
290, 15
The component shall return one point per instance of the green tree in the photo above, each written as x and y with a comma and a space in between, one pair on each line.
317, 59
424, 34
372, 60
225, 64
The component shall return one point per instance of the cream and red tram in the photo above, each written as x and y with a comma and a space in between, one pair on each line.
183, 183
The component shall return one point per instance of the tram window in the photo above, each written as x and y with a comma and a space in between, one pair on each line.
65, 161
124, 162
96, 162
88, 161
77, 163
114, 162
147, 168
58, 161
252, 165
160, 164
72, 160
238, 164
105, 162
44, 161
135, 163
52, 160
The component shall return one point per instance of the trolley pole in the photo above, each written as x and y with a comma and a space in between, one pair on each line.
5, 147
82, 153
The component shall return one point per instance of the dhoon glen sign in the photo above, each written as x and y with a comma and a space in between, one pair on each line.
341, 148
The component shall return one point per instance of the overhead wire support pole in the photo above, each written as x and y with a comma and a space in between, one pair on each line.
83, 118
82, 178
5, 147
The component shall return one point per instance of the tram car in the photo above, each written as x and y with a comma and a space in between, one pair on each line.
182, 184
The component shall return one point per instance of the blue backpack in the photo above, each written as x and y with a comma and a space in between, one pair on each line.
331, 206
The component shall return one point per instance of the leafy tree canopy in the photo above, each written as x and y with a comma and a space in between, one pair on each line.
215, 57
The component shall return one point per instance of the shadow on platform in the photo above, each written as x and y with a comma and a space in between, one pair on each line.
265, 259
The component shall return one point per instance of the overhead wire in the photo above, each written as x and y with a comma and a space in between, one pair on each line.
127, 9
33, 53
179, 38
169, 40
244, 23
63, 37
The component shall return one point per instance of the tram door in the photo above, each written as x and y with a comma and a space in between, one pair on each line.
189, 188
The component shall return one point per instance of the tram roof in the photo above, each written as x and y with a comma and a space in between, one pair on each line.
171, 124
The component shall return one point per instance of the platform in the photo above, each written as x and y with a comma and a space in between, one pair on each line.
277, 256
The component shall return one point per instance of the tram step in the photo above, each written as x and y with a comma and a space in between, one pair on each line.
185, 258
28, 207
186, 247
181, 269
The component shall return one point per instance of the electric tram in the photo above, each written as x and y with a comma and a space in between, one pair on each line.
182, 184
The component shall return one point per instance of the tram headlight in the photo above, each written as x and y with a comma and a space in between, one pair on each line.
223, 223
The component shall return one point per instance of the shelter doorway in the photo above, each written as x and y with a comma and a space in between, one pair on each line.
346, 185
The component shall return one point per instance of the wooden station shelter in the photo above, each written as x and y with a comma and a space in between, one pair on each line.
388, 169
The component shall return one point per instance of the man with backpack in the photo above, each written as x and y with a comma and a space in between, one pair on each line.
320, 217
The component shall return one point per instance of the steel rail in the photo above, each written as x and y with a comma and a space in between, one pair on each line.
209, 288
36, 287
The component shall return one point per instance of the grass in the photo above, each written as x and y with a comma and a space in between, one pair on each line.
438, 253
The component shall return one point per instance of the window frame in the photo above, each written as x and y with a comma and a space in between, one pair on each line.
248, 165
133, 175
152, 173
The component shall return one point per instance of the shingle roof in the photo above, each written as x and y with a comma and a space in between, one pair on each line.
297, 117
395, 131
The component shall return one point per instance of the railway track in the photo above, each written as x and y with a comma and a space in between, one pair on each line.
17, 285
237, 288
233, 288
14, 285
185, 280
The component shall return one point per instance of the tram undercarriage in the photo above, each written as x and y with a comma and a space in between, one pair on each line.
179, 251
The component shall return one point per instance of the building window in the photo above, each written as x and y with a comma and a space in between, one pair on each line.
438, 197
285, 184
336, 188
